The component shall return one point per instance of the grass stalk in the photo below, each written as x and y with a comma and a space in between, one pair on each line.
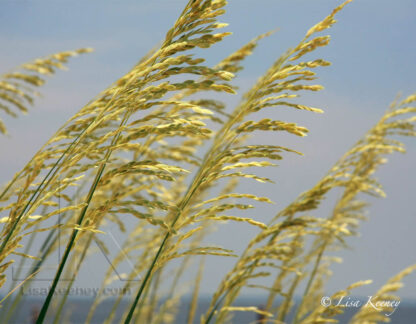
74, 234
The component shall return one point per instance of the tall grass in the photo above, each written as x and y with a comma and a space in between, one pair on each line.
156, 147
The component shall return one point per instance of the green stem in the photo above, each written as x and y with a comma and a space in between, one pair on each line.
36, 265
74, 235
38, 191
9, 309
147, 277
288, 300
71, 282
214, 309
310, 281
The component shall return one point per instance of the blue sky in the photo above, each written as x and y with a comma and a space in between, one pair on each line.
373, 50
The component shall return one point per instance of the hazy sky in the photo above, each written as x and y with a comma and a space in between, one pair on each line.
373, 51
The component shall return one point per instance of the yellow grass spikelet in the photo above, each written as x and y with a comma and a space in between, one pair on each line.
381, 299
157, 148
327, 22
247, 309
237, 219
234, 195
16, 87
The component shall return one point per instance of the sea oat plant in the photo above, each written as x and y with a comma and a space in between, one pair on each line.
157, 147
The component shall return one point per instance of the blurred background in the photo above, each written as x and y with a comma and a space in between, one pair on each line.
372, 50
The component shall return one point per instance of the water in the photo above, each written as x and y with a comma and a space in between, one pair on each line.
78, 308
